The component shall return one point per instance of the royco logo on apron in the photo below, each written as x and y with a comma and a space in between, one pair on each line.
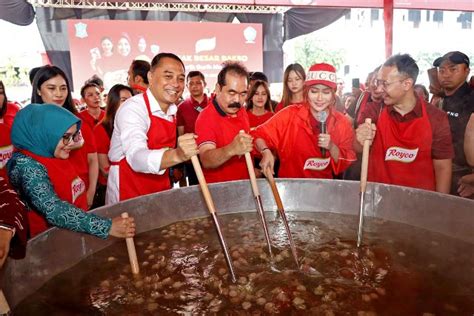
6, 153
78, 187
316, 163
401, 154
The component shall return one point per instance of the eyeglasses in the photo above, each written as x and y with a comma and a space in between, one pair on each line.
385, 84
68, 137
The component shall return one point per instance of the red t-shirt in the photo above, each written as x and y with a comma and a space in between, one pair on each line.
78, 157
188, 112
442, 145
258, 120
102, 141
12, 110
89, 119
213, 126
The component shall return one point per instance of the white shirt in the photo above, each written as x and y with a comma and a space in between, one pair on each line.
129, 141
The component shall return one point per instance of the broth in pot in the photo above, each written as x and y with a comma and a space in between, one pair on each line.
183, 272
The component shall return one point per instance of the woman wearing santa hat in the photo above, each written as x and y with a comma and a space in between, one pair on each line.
311, 139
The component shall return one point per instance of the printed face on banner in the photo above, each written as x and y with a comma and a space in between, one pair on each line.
103, 48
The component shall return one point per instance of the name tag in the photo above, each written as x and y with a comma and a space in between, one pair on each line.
317, 163
6, 153
401, 154
78, 187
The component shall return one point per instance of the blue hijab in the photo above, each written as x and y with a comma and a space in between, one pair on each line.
39, 127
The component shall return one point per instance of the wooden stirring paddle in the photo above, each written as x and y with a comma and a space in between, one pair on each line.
363, 185
132, 253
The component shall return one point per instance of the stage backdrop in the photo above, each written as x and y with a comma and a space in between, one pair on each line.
107, 48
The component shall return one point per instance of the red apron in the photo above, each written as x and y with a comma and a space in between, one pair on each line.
401, 153
161, 134
66, 183
305, 160
6, 148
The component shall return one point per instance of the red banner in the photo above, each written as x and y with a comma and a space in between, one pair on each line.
107, 48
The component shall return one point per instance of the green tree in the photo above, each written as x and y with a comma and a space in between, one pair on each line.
425, 60
13, 75
308, 51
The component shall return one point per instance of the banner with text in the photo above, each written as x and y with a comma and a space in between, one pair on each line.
107, 48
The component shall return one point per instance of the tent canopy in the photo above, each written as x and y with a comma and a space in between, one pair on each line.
21, 11
297, 17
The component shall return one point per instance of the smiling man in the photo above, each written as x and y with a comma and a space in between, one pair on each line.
411, 141
221, 145
143, 143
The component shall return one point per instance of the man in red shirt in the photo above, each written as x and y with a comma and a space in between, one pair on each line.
93, 114
373, 94
138, 76
369, 104
188, 112
221, 145
411, 140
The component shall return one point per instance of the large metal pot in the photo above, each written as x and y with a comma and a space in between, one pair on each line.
57, 250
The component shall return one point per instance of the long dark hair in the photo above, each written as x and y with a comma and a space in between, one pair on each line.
253, 90
113, 103
286, 97
4, 104
44, 74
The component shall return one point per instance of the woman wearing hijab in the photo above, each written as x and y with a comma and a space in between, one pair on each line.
312, 139
43, 136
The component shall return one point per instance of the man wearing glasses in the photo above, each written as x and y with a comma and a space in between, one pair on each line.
411, 140
458, 103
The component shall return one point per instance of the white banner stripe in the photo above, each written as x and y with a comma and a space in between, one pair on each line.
322, 75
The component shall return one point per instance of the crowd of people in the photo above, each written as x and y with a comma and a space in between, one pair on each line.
58, 162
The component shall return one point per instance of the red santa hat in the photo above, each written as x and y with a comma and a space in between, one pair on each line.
322, 74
